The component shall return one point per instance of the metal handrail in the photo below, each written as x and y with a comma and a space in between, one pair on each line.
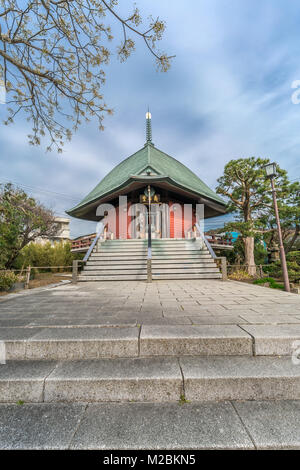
208, 245
92, 246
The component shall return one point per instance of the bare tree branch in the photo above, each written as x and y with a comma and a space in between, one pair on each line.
52, 59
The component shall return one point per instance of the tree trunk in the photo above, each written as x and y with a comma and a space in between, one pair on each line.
249, 255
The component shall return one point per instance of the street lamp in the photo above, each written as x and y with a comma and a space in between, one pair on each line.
150, 192
270, 169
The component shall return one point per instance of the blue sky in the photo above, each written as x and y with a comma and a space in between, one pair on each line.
227, 95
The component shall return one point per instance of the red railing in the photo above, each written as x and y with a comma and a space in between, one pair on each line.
82, 243
85, 243
218, 240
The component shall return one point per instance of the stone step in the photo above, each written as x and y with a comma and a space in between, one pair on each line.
195, 256
125, 242
135, 273
154, 240
172, 251
95, 263
145, 243
153, 379
102, 256
143, 263
165, 269
156, 269
240, 378
181, 270
156, 263
84, 342
122, 250
130, 270
138, 265
178, 249
157, 277
119, 277
125, 256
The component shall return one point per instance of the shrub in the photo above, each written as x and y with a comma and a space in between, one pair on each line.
7, 280
293, 256
273, 284
239, 275
36, 254
275, 270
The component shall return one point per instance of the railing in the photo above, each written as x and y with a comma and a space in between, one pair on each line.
25, 273
219, 240
92, 246
206, 242
82, 243
240, 268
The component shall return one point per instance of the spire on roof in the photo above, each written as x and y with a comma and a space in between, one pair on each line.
148, 128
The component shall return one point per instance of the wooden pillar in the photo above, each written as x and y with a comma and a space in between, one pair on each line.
27, 279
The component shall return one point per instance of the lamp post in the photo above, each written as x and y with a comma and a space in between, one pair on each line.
149, 221
270, 170
150, 193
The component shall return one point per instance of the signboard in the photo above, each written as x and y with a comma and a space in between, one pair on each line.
155, 199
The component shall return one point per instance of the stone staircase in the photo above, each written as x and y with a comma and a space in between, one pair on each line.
198, 385
146, 364
182, 259
171, 259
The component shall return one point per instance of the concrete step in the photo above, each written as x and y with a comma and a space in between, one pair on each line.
152, 379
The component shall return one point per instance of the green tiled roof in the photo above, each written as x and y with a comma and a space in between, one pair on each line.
160, 164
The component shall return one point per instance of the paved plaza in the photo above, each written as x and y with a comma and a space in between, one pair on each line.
115, 303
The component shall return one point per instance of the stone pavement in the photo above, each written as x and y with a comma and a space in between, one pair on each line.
115, 303
225, 425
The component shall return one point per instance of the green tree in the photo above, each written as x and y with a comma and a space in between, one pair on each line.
22, 220
53, 55
289, 213
249, 195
